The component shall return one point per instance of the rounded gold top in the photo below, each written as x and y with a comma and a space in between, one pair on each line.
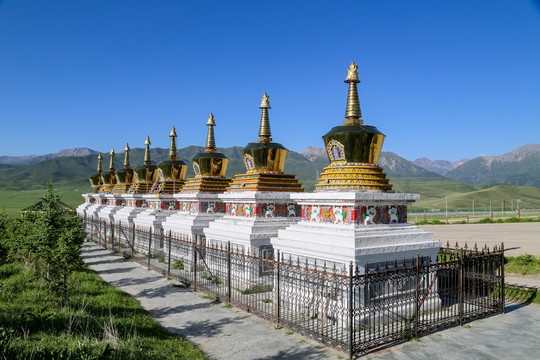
352, 73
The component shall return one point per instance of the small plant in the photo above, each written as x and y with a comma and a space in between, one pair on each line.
178, 265
227, 306
161, 258
288, 333
484, 221
467, 326
415, 339
267, 301
211, 298
278, 327
302, 341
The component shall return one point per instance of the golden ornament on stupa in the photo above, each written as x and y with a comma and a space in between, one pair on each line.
172, 172
146, 175
353, 150
108, 177
209, 167
264, 161
95, 180
125, 176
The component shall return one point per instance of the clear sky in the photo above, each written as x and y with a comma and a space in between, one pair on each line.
442, 79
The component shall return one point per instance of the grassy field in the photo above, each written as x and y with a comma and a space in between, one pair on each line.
98, 322
15, 200
433, 194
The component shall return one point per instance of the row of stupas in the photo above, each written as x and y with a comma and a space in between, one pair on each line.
353, 214
352, 148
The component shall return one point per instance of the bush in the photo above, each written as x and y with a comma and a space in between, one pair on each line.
484, 221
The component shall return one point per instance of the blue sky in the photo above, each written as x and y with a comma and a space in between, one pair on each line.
442, 79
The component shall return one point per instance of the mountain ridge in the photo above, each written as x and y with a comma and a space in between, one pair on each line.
34, 159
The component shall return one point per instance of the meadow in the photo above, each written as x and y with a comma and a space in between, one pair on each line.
97, 321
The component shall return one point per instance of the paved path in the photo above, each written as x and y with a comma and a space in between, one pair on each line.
514, 335
222, 333
518, 238
225, 333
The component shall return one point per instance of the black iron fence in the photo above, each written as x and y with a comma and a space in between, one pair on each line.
351, 308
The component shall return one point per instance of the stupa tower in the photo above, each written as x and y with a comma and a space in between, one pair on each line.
146, 175
209, 167
125, 176
264, 161
95, 180
172, 172
353, 150
108, 177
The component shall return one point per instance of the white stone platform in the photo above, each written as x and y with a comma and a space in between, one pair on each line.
344, 227
252, 218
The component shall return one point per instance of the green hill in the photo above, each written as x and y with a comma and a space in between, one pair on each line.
21, 185
484, 170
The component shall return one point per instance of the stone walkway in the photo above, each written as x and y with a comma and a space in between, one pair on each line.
229, 333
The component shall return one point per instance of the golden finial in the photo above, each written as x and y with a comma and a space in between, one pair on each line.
126, 156
172, 147
99, 169
352, 73
264, 130
111, 164
353, 114
210, 140
147, 160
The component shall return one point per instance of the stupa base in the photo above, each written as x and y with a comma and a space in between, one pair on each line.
143, 187
121, 188
362, 228
206, 184
353, 177
265, 181
170, 186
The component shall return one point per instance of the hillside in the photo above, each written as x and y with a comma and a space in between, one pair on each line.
34, 159
22, 184
441, 167
525, 171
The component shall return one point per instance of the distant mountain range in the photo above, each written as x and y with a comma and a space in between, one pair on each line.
73, 166
34, 159
441, 167
520, 166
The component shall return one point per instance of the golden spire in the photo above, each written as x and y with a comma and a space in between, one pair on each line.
172, 148
147, 160
264, 130
99, 170
210, 140
111, 164
126, 156
353, 115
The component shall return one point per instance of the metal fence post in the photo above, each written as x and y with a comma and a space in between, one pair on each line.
112, 236
417, 295
351, 315
169, 262
229, 271
149, 244
133, 241
278, 290
460, 288
105, 234
194, 249
502, 280
92, 230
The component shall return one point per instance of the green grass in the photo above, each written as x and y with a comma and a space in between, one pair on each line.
15, 200
523, 264
98, 322
434, 191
